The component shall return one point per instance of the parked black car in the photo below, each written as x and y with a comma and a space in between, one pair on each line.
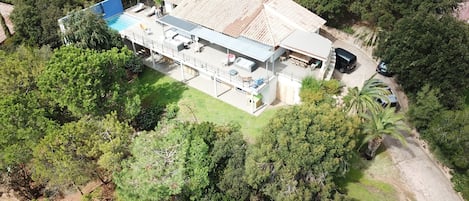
345, 60
382, 69
392, 98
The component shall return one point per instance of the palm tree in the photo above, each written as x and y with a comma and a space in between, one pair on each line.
379, 124
360, 101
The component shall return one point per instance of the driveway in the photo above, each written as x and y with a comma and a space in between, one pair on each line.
418, 170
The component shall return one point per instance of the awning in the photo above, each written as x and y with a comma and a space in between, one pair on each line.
310, 44
241, 45
178, 23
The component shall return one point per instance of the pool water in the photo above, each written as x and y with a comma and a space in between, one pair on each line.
121, 22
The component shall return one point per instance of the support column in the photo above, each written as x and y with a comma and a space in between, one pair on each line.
215, 93
182, 71
252, 103
133, 45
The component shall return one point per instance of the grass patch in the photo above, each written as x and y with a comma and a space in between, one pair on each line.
358, 183
158, 89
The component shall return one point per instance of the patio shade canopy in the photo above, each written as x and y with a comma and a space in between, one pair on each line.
241, 45
310, 44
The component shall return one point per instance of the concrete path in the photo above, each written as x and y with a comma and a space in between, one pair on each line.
421, 174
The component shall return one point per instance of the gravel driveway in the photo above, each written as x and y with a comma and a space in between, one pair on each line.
421, 174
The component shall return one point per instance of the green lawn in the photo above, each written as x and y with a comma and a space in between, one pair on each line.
196, 105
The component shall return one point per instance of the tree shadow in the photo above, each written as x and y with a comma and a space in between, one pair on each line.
157, 90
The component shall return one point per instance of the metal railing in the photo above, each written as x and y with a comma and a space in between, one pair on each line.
221, 74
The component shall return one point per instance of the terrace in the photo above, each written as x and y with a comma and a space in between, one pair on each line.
208, 69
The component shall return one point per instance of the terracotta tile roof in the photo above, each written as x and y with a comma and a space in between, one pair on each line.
265, 21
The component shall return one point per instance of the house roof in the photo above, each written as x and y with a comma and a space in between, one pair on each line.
265, 21
310, 44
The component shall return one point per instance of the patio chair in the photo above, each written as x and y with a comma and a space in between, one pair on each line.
145, 28
139, 7
151, 12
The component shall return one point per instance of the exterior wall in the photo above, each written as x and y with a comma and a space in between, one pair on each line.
168, 6
269, 91
288, 90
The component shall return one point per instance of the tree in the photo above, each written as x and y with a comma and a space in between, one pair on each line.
448, 136
81, 151
386, 13
90, 82
383, 123
36, 20
360, 101
86, 29
20, 70
426, 108
185, 161
432, 50
331, 10
300, 152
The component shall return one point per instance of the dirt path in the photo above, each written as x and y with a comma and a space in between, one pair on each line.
418, 171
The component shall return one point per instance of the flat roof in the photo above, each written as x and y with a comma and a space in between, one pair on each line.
310, 44
178, 23
245, 46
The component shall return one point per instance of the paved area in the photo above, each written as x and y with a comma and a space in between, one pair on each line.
5, 11
418, 170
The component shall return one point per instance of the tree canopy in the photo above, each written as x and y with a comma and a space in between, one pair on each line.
187, 161
85, 29
432, 50
90, 82
82, 150
36, 20
300, 152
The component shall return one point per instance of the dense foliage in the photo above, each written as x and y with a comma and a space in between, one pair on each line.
300, 152
81, 151
446, 131
88, 82
36, 20
432, 50
185, 161
318, 91
85, 29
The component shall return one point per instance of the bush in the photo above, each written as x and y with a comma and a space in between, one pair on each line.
425, 108
172, 110
316, 91
148, 118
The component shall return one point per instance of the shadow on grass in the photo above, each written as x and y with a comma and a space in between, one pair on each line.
358, 186
156, 89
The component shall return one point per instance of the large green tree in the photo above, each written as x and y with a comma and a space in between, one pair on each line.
36, 20
81, 151
90, 82
331, 10
300, 152
185, 161
86, 29
428, 49
385, 13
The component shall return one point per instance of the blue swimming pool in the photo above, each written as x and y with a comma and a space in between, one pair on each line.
121, 22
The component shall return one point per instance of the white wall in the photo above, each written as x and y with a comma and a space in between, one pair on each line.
269, 91
168, 6
288, 90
